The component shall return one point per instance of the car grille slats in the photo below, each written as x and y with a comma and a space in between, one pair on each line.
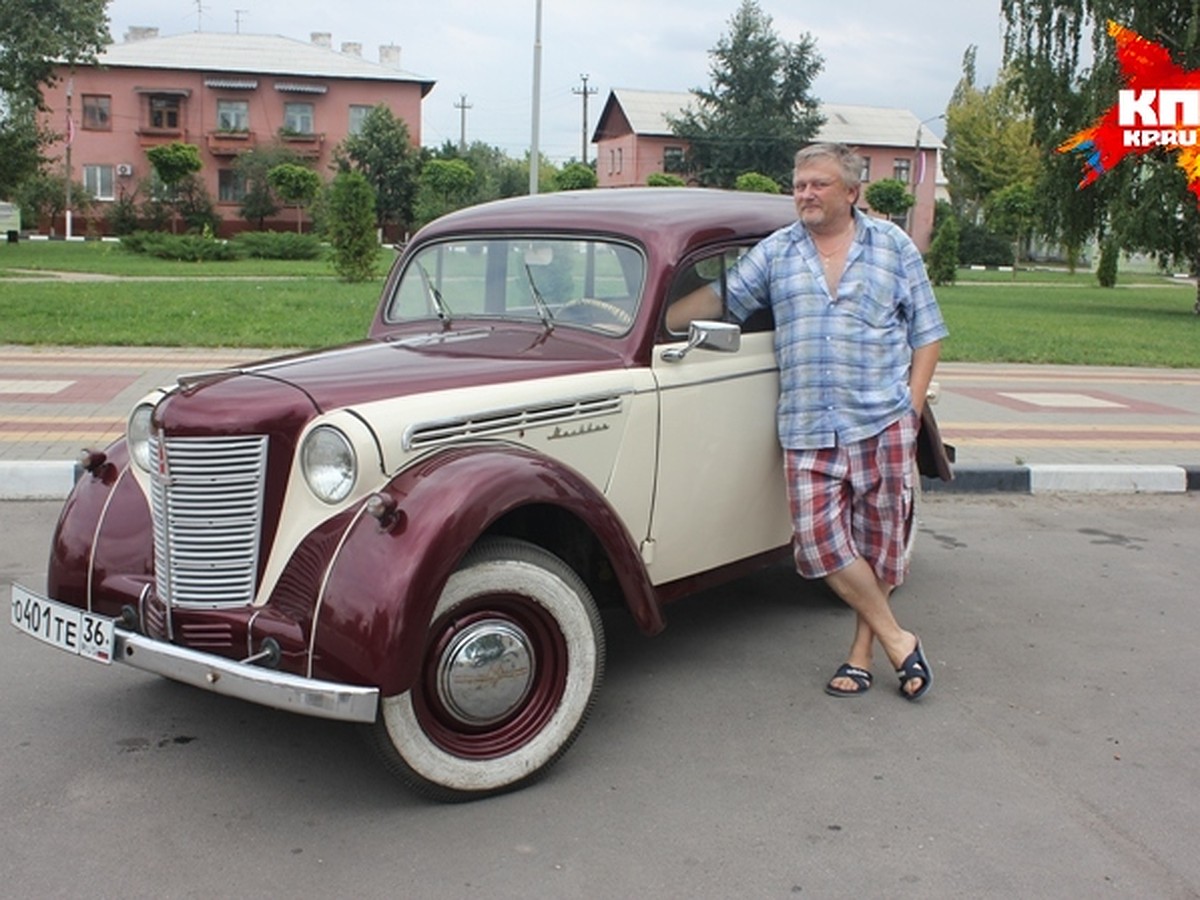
207, 501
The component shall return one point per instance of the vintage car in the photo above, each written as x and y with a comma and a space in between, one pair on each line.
416, 532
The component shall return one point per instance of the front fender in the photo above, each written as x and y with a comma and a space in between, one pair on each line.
381, 589
101, 554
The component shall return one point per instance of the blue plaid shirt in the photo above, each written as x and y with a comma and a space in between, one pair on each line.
843, 361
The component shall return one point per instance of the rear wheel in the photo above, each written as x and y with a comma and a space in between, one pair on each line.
512, 663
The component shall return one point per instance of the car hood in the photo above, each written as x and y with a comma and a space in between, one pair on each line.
373, 370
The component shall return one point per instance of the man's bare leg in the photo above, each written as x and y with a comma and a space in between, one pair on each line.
858, 587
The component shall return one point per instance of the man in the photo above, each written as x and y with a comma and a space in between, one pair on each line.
857, 337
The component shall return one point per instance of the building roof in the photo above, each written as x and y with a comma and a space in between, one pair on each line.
261, 54
859, 126
865, 126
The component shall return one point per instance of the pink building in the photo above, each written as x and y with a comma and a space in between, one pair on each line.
224, 93
634, 140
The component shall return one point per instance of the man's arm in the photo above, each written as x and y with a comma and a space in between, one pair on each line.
924, 361
702, 303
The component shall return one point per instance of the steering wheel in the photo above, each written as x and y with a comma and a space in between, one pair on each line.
621, 316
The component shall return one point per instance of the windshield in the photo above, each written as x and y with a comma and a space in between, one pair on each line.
578, 282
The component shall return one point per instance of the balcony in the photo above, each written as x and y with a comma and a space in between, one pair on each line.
303, 144
230, 143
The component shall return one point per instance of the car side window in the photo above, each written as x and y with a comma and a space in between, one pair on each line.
708, 271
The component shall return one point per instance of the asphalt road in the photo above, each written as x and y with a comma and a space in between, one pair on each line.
1058, 754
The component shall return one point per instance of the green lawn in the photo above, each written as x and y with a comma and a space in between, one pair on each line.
1031, 316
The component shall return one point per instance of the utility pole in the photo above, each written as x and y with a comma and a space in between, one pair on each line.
237, 19
70, 140
535, 156
462, 106
585, 91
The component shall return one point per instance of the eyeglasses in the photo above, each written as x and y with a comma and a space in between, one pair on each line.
817, 184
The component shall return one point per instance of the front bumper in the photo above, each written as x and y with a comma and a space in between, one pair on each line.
266, 687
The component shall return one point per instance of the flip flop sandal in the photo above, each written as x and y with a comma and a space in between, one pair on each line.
860, 677
915, 665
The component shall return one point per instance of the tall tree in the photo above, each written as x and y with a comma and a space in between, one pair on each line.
1142, 203
759, 108
35, 35
989, 140
384, 154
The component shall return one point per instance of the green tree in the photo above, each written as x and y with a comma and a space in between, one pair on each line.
575, 176
444, 185
889, 196
259, 202
1012, 211
989, 140
383, 153
497, 174
296, 185
756, 182
37, 35
1066, 65
21, 143
173, 163
43, 197
351, 226
759, 108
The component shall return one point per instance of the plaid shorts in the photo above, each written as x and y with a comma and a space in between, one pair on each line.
854, 501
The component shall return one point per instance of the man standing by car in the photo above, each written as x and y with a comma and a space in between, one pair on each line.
857, 338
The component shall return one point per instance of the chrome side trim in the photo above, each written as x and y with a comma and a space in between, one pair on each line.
489, 423
266, 687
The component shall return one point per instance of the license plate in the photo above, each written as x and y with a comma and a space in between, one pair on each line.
65, 627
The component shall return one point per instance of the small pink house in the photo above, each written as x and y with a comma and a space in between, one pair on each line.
634, 140
224, 93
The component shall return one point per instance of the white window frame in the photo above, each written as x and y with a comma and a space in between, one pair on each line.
99, 181
302, 114
358, 115
233, 115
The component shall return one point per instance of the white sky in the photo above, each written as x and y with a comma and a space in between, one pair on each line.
901, 54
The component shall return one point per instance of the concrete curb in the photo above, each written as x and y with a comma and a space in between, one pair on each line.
1048, 478
49, 480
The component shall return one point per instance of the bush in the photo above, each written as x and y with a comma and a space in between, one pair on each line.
1106, 269
979, 247
942, 259
756, 182
662, 179
351, 227
180, 247
278, 245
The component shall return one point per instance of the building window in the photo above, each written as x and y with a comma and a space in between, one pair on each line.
620, 159
164, 112
98, 181
902, 169
866, 170
233, 115
231, 186
97, 112
673, 159
358, 115
298, 118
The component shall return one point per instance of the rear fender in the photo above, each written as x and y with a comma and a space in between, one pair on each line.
378, 598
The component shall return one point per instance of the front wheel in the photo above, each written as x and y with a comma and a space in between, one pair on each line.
512, 663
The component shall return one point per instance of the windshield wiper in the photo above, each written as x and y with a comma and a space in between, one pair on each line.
539, 301
440, 307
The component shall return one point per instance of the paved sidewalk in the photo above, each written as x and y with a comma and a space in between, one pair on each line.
1015, 427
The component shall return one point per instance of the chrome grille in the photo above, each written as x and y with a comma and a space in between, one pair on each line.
207, 496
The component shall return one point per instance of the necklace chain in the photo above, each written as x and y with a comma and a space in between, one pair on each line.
842, 244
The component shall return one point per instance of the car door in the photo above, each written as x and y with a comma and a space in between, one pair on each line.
719, 493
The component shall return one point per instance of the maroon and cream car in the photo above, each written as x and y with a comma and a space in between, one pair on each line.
416, 532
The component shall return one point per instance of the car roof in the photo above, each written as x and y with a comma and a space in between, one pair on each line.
652, 216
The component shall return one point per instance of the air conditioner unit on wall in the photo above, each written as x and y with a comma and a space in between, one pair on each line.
124, 169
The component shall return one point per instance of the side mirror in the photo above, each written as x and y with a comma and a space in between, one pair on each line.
723, 337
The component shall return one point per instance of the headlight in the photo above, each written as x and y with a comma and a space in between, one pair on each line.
138, 435
329, 464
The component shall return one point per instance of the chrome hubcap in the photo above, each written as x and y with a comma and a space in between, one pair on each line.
485, 672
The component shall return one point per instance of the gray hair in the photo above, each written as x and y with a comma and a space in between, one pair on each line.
846, 159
